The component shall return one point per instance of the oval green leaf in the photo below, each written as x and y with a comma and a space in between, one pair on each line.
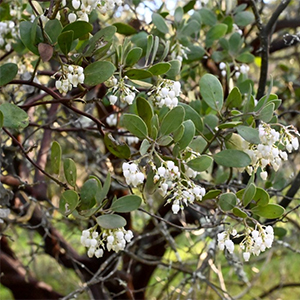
269, 211
261, 197
7, 73
160, 23
201, 163
119, 150
68, 202
188, 134
124, 29
138, 74
70, 171
126, 204
239, 213
172, 120
111, 221
55, 157
133, 56
211, 91
232, 158
80, 28
250, 134
65, 40
249, 194
87, 194
160, 68
227, 201
135, 125
14, 117
98, 72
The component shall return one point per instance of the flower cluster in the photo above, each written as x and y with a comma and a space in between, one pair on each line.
84, 7
132, 174
269, 152
72, 75
255, 241
166, 93
113, 239
184, 191
7, 34
242, 69
125, 91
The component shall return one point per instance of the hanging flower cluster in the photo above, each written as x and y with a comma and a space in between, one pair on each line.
170, 182
166, 93
269, 152
8, 34
113, 239
132, 174
120, 89
72, 75
255, 241
84, 7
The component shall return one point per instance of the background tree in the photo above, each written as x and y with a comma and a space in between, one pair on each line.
149, 150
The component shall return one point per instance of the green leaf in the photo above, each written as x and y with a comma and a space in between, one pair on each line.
175, 68
208, 16
243, 18
98, 72
178, 15
261, 197
232, 158
138, 74
135, 125
53, 29
160, 68
87, 194
80, 28
227, 201
160, 23
70, 171
165, 140
234, 98
235, 43
1, 119
178, 133
133, 56
198, 144
191, 114
215, 33
266, 113
111, 221
124, 29
239, 213
250, 134
188, 134
68, 202
234, 141
7, 73
26, 36
14, 117
65, 40
212, 194
126, 204
269, 211
145, 111
229, 124
55, 157
189, 28
246, 58
212, 91
145, 145
201, 163
189, 6
249, 194
195, 53
118, 150
101, 193
172, 120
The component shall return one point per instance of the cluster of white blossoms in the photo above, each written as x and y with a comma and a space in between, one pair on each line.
113, 239
8, 34
269, 152
125, 91
170, 182
84, 7
166, 93
255, 241
242, 69
132, 174
72, 75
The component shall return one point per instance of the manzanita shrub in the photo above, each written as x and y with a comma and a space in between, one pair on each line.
144, 123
